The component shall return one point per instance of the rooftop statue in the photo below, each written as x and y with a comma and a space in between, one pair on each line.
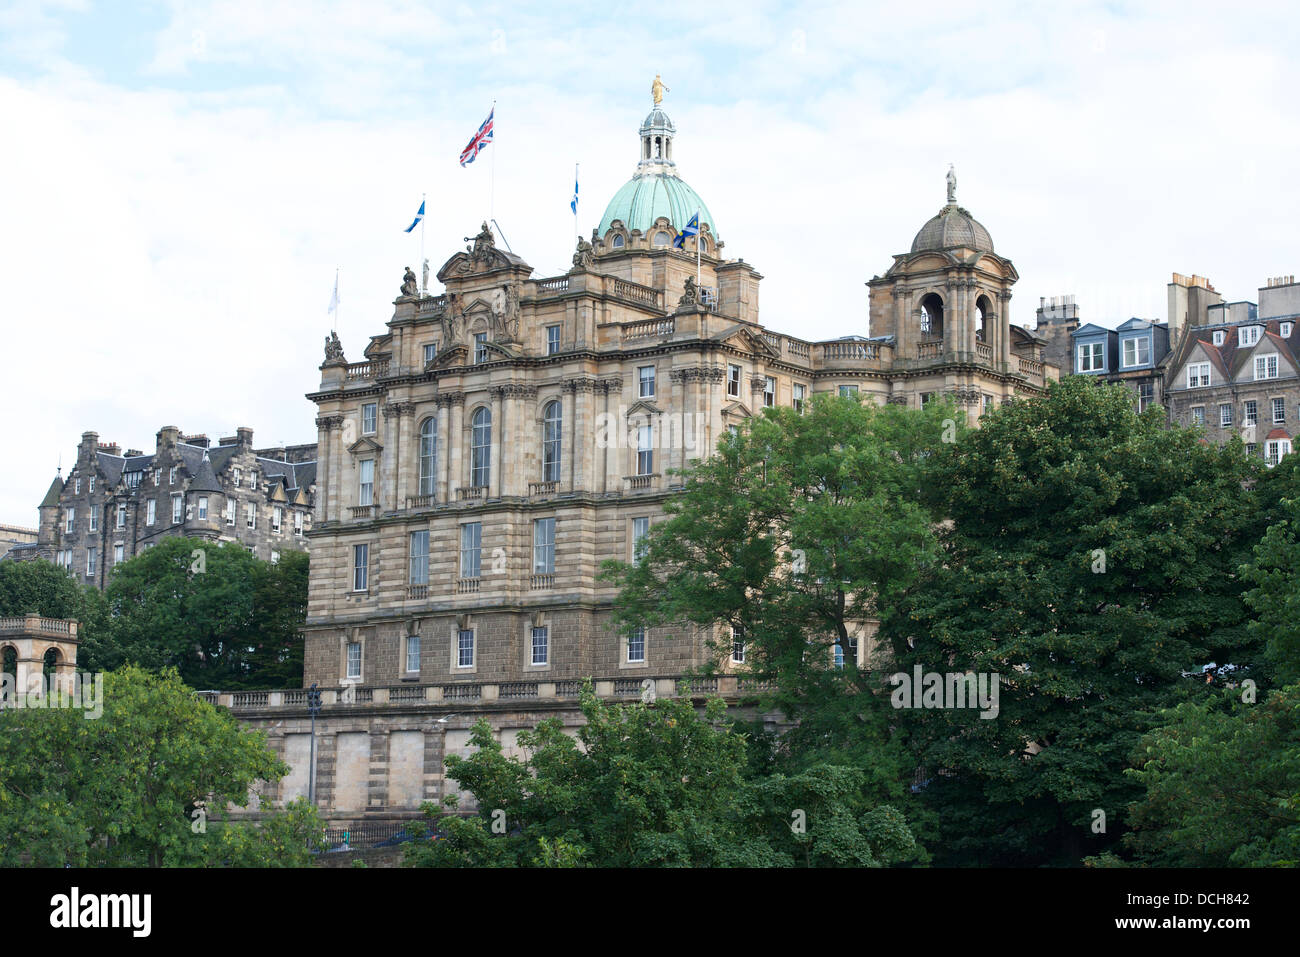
408, 283
952, 185
657, 90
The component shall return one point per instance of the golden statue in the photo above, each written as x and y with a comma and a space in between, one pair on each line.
657, 90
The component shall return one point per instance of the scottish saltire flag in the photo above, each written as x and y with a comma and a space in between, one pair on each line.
334, 299
692, 229
479, 141
573, 203
418, 216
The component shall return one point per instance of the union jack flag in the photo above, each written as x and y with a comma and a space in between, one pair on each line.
479, 141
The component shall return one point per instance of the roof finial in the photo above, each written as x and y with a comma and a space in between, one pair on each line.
952, 186
657, 90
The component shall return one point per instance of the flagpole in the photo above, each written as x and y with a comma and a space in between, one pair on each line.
492, 178
697, 250
575, 203
424, 273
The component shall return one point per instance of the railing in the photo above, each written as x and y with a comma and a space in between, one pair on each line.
420, 501
568, 689
930, 350
774, 340
250, 699
406, 693
690, 686
649, 329
363, 695
367, 370
638, 481
462, 692
632, 290
295, 697
796, 348
35, 624
560, 284
627, 686
417, 592
539, 582
850, 350
542, 488
432, 303
466, 586
519, 689
984, 351
364, 511
1031, 367
472, 492
755, 684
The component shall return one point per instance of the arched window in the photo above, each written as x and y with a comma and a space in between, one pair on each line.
480, 462
662, 238
618, 241
981, 318
8, 666
552, 420
428, 456
49, 664
932, 316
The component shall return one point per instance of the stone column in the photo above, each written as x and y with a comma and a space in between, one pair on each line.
443, 465
456, 458
386, 480
677, 455
1003, 354
494, 452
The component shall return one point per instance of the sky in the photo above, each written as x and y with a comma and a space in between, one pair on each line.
179, 182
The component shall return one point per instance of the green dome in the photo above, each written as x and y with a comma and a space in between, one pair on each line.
647, 196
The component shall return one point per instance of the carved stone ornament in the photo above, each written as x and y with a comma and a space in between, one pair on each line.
334, 349
409, 286
691, 296
583, 258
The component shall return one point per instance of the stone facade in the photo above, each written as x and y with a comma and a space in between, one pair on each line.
113, 506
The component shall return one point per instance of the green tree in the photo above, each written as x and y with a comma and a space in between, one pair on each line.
1275, 599
1222, 784
1091, 557
41, 588
222, 617
652, 785
145, 784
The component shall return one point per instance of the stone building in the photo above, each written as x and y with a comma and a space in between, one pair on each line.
1134, 355
500, 440
112, 505
14, 535
1238, 373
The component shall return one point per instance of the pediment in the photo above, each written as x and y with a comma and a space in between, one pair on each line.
481, 262
453, 355
738, 409
363, 445
642, 407
747, 339
300, 498
277, 493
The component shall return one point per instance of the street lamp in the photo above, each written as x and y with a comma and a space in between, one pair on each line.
313, 706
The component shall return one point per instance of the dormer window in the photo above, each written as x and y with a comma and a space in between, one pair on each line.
480, 347
1219, 337
1137, 351
662, 238
1198, 374
1090, 357
1247, 335
1266, 367
1286, 334
618, 241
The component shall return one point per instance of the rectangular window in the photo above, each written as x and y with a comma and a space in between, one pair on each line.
119, 554
839, 655
297, 523
552, 340
1286, 334
133, 479
412, 653
544, 546
277, 518
1146, 395
1137, 352
1198, 415
275, 557
1198, 375
366, 493
1266, 367
90, 482
360, 567
354, 659
250, 515
471, 549
1251, 448
419, 564
769, 391
541, 645
640, 529
465, 648
235, 474
70, 520
92, 555
76, 485
1274, 451
157, 477
646, 381
368, 418
1279, 411
171, 475
150, 512
1250, 413
799, 393
230, 511
1248, 335
645, 455
1218, 337
121, 516
849, 390
203, 508
178, 504
1091, 356
737, 645
927, 398
1225, 415
987, 406
94, 518
430, 352
636, 645
480, 347
733, 380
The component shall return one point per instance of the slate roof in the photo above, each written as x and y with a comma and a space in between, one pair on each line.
52, 496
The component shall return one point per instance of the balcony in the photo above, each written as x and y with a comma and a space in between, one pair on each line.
367, 370
364, 511
559, 284
932, 349
417, 592
649, 329
467, 586
470, 493
543, 488
419, 501
639, 482
984, 352
542, 582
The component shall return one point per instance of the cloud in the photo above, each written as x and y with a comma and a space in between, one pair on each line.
171, 251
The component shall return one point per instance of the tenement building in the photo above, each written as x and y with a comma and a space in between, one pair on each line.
112, 505
1238, 373
500, 440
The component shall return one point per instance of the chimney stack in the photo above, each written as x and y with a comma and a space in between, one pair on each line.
245, 436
